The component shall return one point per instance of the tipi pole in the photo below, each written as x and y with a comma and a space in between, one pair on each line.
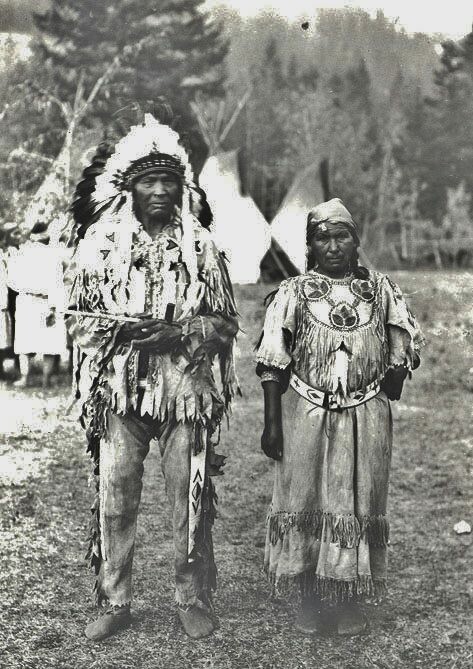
279, 264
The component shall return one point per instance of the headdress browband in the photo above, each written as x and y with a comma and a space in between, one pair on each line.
153, 161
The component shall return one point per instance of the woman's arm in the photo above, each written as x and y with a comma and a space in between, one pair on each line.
404, 340
274, 363
272, 437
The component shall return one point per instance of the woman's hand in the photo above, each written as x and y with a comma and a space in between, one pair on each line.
272, 440
393, 382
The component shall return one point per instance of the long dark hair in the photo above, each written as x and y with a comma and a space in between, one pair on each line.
205, 216
359, 271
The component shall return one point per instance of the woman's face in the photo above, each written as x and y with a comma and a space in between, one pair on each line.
332, 246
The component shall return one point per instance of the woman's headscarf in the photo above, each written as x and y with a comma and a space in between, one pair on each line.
332, 211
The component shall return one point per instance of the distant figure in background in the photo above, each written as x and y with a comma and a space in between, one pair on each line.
36, 273
5, 320
339, 341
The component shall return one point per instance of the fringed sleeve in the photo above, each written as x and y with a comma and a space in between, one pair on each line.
94, 338
218, 292
274, 347
87, 278
212, 332
405, 338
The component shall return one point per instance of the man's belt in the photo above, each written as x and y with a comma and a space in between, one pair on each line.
328, 400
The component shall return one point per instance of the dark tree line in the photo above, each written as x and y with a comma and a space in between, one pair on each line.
393, 118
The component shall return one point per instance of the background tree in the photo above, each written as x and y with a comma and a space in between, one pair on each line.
353, 89
24, 127
448, 153
172, 50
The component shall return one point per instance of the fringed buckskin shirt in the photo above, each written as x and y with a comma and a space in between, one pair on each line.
120, 270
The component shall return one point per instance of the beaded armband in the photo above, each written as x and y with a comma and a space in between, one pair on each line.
400, 365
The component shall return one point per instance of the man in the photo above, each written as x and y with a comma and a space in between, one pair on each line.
144, 259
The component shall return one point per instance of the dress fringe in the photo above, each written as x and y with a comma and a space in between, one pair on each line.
328, 589
345, 530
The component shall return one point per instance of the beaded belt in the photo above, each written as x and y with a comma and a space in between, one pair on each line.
327, 400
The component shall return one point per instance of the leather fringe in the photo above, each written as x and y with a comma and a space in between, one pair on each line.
206, 407
316, 345
218, 292
203, 551
345, 530
327, 589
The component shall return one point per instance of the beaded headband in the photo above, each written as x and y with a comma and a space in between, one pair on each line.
147, 147
147, 164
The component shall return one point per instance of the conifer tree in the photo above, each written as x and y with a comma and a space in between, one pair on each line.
355, 154
169, 50
26, 132
266, 139
449, 153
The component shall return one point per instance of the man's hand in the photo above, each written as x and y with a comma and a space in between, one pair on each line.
130, 331
272, 440
152, 335
393, 382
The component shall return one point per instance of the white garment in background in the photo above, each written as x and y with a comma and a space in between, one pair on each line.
35, 271
5, 323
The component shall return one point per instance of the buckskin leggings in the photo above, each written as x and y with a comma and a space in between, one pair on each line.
122, 456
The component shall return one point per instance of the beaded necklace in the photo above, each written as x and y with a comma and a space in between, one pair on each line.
156, 256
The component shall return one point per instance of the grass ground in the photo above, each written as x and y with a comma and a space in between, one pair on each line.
426, 621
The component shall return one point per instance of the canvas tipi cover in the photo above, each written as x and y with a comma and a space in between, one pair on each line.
289, 225
240, 229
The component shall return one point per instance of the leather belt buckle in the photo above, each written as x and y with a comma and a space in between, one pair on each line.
331, 401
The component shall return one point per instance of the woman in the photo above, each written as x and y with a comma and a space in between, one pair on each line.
339, 342
5, 321
35, 272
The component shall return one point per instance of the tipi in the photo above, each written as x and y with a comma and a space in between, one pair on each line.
240, 229
288, 227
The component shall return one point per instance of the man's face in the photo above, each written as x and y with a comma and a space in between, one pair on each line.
156, 194
332, 246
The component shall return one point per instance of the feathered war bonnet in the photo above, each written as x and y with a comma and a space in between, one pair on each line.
105, 193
